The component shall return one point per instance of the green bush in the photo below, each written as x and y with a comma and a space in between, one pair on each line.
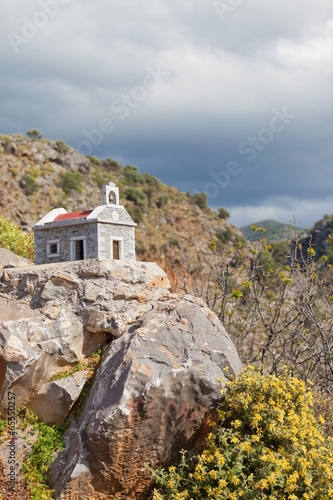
132, 175
28, 184
136, 213
110, 164
93, 160
35, 467
7, 144
3, 425
62, 146
162, 201
174, 242
223, 213
151, 181
200, 199
34, 171
101, 178
34, 134
71, 180
39, 460
136, 195
224, 236
267, 445
14, 239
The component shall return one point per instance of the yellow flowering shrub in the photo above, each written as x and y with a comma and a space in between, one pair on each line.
14, 239
268, 445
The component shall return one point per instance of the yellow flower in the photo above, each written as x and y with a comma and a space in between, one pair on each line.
234, 479
246, 447
264, 484
272, 478
213, 474
321, 419
256, 419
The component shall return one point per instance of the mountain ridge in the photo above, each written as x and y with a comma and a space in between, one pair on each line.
274, 230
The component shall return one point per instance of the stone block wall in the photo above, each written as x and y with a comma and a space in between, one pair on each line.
64, 234
98, 241
107, 232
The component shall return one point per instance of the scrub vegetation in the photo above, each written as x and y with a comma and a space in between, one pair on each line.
14, 239
267, 444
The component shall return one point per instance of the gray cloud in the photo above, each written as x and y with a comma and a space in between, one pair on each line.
221, 81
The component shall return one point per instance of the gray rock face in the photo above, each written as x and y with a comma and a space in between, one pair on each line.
155, 393
9, 259
54, 400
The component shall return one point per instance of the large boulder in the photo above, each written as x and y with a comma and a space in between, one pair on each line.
155, 393
52, 316
156, 390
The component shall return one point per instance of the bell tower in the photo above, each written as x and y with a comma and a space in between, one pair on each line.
110, 194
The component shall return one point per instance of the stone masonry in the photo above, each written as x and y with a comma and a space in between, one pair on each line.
108, 231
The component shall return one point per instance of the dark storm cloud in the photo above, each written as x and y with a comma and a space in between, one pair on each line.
189, 86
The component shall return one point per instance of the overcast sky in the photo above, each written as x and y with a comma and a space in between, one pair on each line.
230, 97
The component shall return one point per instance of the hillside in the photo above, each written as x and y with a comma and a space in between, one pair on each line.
38, 175
275, 231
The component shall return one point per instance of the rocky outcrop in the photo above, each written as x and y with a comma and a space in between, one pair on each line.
156, 390
53, 316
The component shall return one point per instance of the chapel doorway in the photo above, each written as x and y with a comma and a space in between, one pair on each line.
78, 250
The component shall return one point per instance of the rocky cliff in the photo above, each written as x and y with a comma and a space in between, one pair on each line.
155, 391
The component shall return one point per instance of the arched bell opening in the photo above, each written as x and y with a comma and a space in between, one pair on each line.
112, 198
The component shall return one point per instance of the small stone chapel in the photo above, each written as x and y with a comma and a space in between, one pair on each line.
108, 231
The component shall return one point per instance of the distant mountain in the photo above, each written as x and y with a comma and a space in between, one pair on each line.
275, 231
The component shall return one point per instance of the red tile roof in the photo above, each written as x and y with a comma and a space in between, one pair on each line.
73, 215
